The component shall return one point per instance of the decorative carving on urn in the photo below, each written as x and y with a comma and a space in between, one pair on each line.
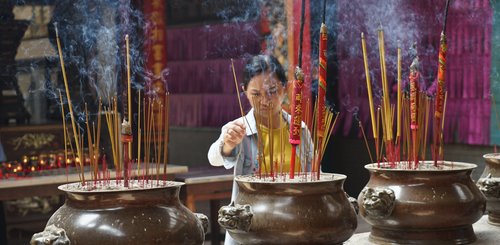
378, 202
235, 217
51, 235
489, 186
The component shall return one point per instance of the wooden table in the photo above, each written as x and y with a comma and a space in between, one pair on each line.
47, 185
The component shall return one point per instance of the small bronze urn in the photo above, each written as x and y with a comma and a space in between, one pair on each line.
489, 184
290, 212
426, 205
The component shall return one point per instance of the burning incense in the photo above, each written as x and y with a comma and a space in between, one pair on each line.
238, 95
369, 89
377, 141
438, 114
366, 141
414, 78
321, 99
129, 93
166, 134
139, 136
386, 118
117, 137
271, 141
126, 139
296, 123
282, 146
63, 115
426, 127
89, 139
68, 96
441, 150
237, 89
98, 141
398, 120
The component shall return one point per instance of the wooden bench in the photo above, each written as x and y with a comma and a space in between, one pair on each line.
207, 183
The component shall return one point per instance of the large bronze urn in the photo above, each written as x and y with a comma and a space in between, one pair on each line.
427, 205
147, 215
298, 211
489, 184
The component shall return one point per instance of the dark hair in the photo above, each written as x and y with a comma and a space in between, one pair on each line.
260, 64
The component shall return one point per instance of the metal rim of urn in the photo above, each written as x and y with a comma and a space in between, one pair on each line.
117, 205
265, 212
422, 206
489, 185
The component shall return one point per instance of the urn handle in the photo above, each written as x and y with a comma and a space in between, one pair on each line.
235, 217
203, 219
489, 186
354, 202
378, 202
51, 235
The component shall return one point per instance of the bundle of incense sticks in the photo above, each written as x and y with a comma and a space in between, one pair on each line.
154, 118
323, 120
412, 114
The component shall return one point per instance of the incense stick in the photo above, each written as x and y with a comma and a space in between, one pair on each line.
129, 93
399, 98
369, 87
166, 131
238, 95
98, 141
89, 137
65, 134
139, 136
68, 96
366, 141
385, 90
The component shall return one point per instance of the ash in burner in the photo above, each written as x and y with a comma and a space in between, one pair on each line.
303, 177
114, 185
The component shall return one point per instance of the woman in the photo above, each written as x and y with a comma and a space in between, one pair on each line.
264, 84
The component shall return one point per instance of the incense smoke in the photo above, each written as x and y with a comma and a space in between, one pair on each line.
92, 39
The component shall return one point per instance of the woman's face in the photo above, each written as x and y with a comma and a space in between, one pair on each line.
265, 94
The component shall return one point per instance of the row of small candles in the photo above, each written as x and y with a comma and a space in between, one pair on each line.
37, 164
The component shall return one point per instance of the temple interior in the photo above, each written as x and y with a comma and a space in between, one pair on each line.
129, 97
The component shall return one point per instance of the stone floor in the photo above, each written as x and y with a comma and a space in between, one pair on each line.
486, 234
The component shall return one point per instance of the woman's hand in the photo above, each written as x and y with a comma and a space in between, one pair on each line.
233, 136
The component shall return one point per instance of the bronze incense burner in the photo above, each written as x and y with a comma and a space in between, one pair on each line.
151, 215
428, 205
290, 212
489, 184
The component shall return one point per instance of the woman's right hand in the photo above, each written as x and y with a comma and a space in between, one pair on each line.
235, 131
